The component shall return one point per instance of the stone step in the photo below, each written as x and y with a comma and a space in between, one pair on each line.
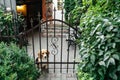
64, 36
49, 31
52, 31
56, 27
52, 35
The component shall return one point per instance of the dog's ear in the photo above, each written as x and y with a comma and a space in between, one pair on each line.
48, 52
40, 54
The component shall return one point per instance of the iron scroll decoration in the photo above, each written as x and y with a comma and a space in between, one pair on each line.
54, 45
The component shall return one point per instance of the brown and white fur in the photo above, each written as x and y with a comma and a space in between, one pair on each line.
43, 56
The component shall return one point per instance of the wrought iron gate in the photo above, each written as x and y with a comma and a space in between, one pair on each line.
59, 39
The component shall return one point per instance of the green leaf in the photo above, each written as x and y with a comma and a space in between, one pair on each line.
101, 73
106, 58
92, 58
85, 55
114, 45
116, 56
93, 32
118, 68
13, 76
113, 75
100, 52
102, 63
109, 28
112, 61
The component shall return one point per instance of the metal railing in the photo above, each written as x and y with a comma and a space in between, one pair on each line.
55, 43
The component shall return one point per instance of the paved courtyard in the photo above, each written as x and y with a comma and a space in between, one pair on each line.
52, 76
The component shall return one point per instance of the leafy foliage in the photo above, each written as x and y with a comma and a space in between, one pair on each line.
9, 25
76, 13
69, 6
5, 22
84, 76
100, 39
15, 64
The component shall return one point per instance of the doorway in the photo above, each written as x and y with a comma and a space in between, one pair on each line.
33, 8
31, 11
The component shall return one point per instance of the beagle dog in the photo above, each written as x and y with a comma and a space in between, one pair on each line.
43, 56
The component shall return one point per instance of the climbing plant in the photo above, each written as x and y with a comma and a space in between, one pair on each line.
100, 39
76, 13
15, 64
9, 25
6, 22
69, 6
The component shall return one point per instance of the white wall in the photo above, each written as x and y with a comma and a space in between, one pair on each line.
58, 12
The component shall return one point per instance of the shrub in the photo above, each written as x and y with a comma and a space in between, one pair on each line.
15, 64
75, 14
6, 22
9, 24
100, 40
69, 6
100, 48
83, 76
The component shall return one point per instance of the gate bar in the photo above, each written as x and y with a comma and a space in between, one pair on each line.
61, 42
57, 63
54, 36
68, 46
33, 39
51, 20
47, 39
40, 35
75, 50
4, 2
10, 5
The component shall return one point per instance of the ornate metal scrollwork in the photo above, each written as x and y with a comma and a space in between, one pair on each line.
54, 45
